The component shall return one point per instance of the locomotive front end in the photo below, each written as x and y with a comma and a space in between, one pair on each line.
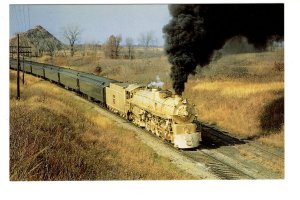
185, 134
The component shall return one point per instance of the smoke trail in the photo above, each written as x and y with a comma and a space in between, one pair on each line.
195, 31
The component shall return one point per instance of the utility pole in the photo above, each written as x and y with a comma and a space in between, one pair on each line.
23, 70
23, 51
18, 70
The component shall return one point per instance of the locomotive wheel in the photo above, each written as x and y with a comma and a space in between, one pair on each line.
157, 132
147, 126
152, 130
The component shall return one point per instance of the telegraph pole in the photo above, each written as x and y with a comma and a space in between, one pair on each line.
18, 71
23, 70
21, 51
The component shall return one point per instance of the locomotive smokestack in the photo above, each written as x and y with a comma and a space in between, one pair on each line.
177, 97
195, 31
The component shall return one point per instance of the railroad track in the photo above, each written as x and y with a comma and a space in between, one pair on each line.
218, 167
221, 138
217, 164
266, 150
256, 160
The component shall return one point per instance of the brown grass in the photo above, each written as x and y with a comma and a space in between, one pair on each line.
235, 106
54, 136
257, 67
274, 138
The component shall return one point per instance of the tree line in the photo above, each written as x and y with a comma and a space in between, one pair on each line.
42, 42
112, 46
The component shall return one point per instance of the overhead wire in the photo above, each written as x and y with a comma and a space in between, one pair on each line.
25, 21
15, 11
28, 9
20, 17
12, 19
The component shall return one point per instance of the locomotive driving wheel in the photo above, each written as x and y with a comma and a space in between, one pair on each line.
157, 132
147, 126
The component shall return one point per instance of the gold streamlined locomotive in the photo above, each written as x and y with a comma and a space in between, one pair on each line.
168, 116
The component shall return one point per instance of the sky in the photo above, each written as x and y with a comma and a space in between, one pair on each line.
97, 22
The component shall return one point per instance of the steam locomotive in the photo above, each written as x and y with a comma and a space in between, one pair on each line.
159, 111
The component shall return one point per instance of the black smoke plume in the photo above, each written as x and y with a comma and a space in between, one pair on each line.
195, 31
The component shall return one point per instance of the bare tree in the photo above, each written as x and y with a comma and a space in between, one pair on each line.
71, 33
112, 46
129, 45
146, 39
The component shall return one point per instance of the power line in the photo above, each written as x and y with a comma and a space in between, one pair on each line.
20, 17
17, 18
12, 19
28, 8
21, 7
25, 21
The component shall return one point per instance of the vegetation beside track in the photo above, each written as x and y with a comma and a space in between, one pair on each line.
54, 136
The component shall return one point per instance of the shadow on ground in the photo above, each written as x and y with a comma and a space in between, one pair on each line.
271, 119
213, 138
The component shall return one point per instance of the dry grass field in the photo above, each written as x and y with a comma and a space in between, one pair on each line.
54, 136
241, 107
241, 93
